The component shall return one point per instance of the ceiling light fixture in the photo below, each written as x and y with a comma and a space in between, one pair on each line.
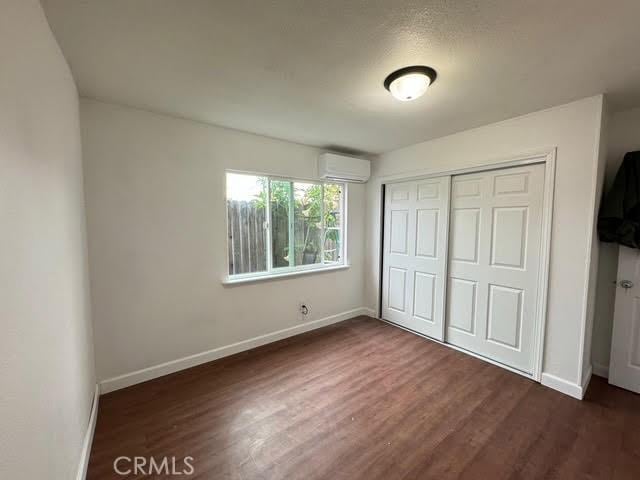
409, 83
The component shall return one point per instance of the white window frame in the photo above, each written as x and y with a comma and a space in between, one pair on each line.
279, 272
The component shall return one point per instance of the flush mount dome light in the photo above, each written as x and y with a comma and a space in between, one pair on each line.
409, 83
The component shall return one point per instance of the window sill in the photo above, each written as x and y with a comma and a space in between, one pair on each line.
275, 276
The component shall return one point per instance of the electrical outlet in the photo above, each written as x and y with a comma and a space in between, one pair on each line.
303, 310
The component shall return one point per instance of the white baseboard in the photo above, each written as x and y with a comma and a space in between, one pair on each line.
601, 370
370, 312
88, 437
139, 376
568, 388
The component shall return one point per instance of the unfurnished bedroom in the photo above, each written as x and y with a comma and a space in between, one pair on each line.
319, 240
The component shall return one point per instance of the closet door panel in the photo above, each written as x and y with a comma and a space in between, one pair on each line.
497, 248
414, 256
466, 295
396, 260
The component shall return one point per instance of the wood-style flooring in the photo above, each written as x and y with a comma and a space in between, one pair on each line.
365, 400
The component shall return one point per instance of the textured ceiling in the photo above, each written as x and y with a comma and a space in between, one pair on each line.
312, 71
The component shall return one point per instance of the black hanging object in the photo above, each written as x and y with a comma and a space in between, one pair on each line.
619, 217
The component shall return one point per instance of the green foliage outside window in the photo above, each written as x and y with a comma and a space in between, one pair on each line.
303, 236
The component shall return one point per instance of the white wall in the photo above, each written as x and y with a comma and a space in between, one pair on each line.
623, 136
575, 130
46, 358
157, 239
594, 274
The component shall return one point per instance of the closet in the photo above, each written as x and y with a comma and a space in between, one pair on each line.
461, 260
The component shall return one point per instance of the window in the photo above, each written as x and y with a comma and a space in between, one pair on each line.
279, 226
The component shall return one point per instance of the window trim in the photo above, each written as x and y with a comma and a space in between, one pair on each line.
241, 278
284, 272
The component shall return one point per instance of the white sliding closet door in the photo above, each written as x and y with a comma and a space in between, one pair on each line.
414, 258
495, 239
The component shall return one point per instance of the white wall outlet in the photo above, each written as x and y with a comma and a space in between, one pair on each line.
303, 310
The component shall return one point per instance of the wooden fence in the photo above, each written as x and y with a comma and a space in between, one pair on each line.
247, 237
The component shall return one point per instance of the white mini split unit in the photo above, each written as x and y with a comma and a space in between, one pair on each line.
332, 166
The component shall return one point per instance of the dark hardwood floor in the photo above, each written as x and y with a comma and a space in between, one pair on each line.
365, 400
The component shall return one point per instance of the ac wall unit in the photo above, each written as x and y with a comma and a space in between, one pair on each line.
332, 166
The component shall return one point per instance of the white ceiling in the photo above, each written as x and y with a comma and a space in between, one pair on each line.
312, 71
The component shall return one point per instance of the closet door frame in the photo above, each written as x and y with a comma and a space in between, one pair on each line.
548, 157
